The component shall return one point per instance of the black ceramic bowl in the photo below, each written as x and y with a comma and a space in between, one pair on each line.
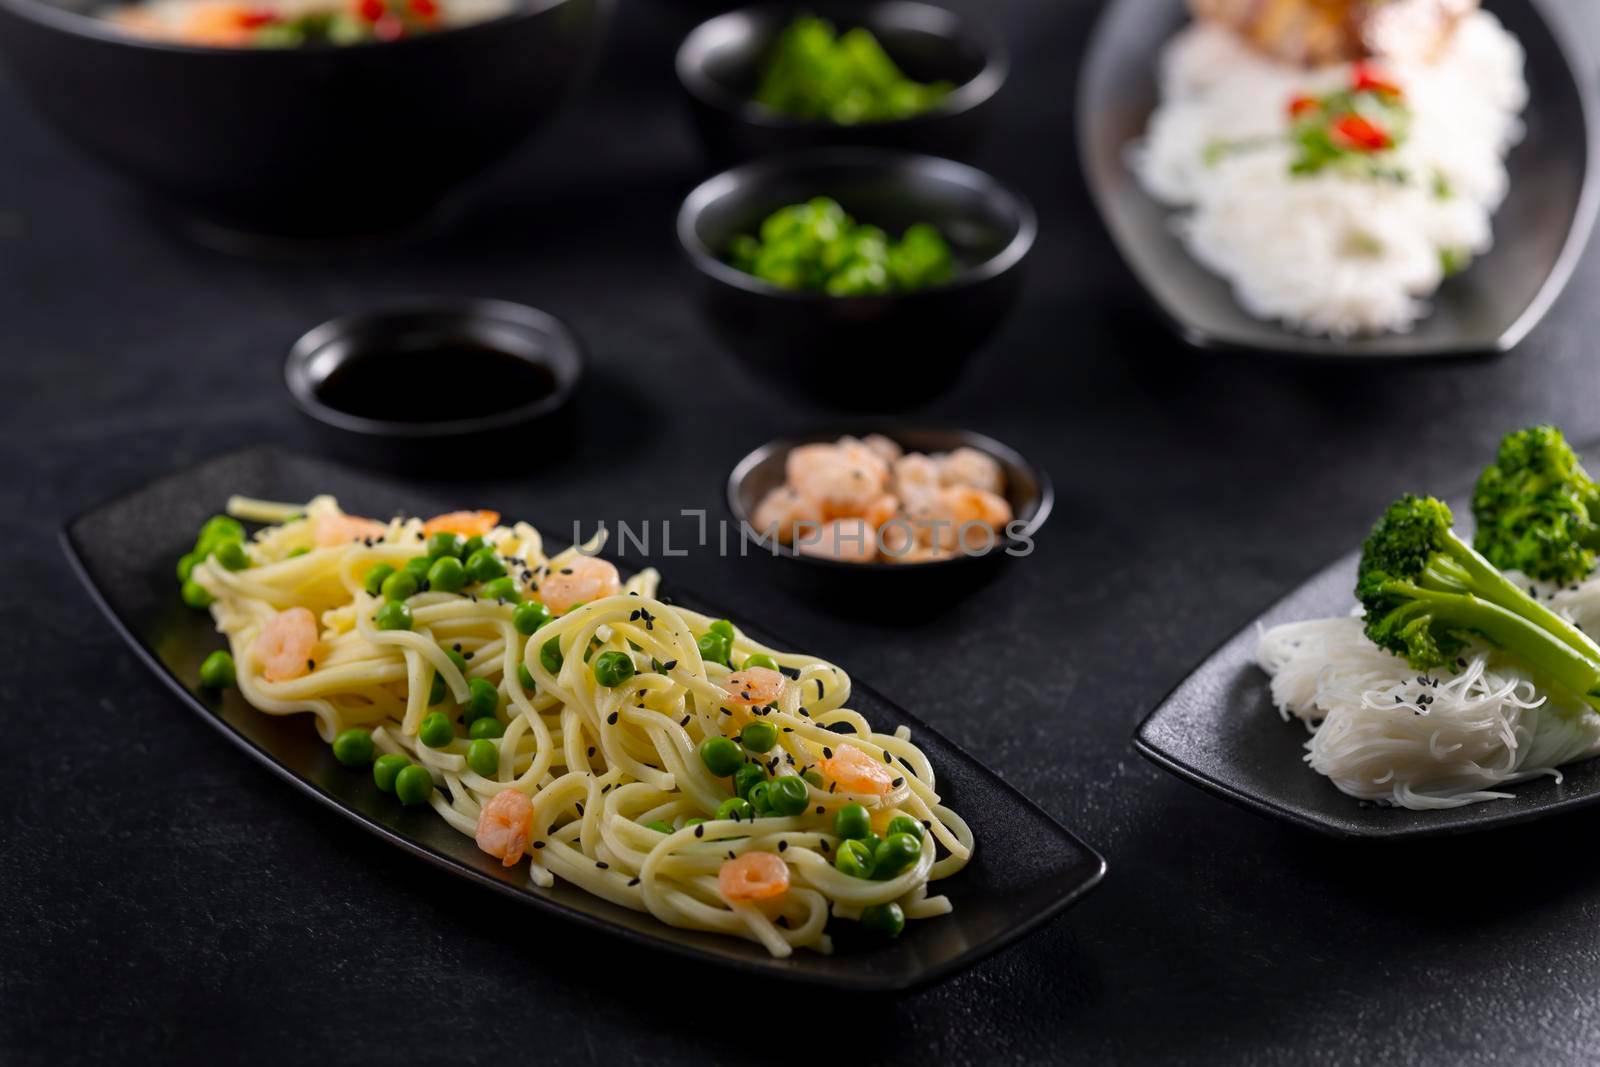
312, 142
362, 379
719, 65
872, 352
902, 586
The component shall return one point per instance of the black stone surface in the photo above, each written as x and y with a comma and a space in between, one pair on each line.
163, 899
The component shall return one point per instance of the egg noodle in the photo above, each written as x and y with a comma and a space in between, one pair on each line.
598, 762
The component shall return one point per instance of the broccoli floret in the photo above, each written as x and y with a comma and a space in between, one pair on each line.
1537, 509
1427, 593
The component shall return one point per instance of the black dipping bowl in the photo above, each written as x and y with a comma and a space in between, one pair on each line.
863, 352
720, 63
898, 589
434, 334
316, 142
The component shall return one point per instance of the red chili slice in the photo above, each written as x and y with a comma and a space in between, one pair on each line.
1360, 133
254, 20
1364, 79
1303, 105
424, 9
372, 10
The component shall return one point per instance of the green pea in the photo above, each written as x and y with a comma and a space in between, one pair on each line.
231, 555
353, 748
484, 565
413, 785
186, 565
723, 627
195, 595
297, 552
500, 589
529, 616
447, 575
721, 756
486, 727
417, 567
886, 919
399, 586
905, 824
736, 808
483, 699
746, 777
788, 795
760, 659
444, 544
483, 755
759, 736
853, 858
215, 531
758, 797
896, 853
696, 821
373, 582
611, 669
550, 657
852, 821
458, 659
659, 827
436, 689
393, 615
436, 730
217, 672
471, 546
525, 676
385, 768
814, 776
714, 648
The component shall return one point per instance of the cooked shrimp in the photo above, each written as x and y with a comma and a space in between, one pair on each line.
957, 512
287, 645
333, 528
886, 449
968, 466
846, 540
753, 876
754, 686
504, 826
784, 513
1315, 32
916, 481
857, 772
584, 579
843, 486
882, 510
465, 523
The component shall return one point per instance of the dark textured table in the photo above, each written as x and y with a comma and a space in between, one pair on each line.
164, 899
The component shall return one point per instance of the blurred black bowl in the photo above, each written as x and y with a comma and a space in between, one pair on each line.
862, 352
362, 380
315, 142
898, 587
719, 65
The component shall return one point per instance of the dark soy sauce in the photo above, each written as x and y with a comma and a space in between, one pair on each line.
445, 380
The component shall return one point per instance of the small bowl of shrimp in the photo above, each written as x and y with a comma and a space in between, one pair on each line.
900, 505
882, 348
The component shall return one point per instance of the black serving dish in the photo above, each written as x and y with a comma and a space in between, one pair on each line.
309, 143
1219, 730
1027, 867
1540, 231
719, 66
355, 378
903, 587
864, 352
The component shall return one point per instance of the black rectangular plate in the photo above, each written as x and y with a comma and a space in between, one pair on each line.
1540, 230
1219, 730
1027, 867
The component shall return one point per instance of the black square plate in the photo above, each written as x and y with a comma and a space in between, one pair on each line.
1540, 230
1027, 867
1219, 730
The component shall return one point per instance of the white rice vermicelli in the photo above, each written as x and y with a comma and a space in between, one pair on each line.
1332, 253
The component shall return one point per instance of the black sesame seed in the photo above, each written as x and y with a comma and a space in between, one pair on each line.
783, 846
602, 864
897, 783
538, 844
633, 881
700, 831
611, 720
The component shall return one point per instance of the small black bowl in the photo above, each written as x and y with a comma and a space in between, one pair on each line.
900, 587
319, 142
719, 65
863, 352
363, 380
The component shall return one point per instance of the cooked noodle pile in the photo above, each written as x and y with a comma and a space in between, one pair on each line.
598, 762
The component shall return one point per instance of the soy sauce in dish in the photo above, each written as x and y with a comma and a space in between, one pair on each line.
444, 381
